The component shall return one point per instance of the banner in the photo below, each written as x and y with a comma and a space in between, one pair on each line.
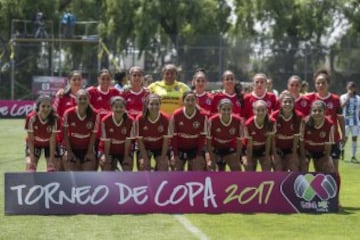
15, 109
169, 192
47, 85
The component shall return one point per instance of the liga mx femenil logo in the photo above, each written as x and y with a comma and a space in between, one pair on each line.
308, 186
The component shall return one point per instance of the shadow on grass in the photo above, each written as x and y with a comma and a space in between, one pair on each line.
348, 210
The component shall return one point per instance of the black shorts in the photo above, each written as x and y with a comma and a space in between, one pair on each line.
335, 151
283, 152
224, 152
187, 154
155, 153
259, 152
80, 155
59, 151
315, 155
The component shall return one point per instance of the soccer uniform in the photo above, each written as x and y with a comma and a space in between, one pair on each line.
351, 113
303, 105
171, 95
286, 130
224, 136
134, 101
250, 98
80, 129
204, 100
233, 98
188, 133
258, 135
42, 132
116, 133
100, 100
153, 132
316, 138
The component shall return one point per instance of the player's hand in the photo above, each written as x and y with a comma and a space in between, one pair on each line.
90, 156
60, 93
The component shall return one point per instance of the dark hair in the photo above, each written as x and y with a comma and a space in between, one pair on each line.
67, 89
268, 125
310, 122
287, 94
296, 77
51, 117
145, 112
104, 70
323, 72
89, 109
238, 91
119, 76
170, 67
198, 71
123, 101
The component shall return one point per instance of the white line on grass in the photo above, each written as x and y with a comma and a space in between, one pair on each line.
190, 227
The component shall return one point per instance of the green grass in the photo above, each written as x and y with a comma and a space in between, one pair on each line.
344, 225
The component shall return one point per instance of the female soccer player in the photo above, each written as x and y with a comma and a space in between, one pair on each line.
224, 137
80, 127
318, 137
259, 131
136, 95
188, 130
41, 126
204, 98
286, 142
117, 131
302, 103
259, 93
333, 108
229, 81
152, 132
63, 102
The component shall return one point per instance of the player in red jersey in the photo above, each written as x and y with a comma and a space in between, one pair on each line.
80, 127
302, 102
224, 138
188, 129
41, 126
286, 142
204, 98
258, 132
318, 137
117, 131
322, 81
259, 93
229, 81
62, 102
152, 132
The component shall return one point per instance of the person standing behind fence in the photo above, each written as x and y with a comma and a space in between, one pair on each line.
350, 103
39, 25
169, 89
41, 126
68, 21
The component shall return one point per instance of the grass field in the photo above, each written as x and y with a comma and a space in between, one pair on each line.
344, 225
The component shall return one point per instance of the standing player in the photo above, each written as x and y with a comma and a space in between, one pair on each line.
318, 137
80, 127
117, 131
302, 102
62, 102
258, 133
286, 142
41, 126
169, 89
229, 81
350, 103
224, 138
188, 130
204, 98
322, 81
152, 132
259, 93
136, 95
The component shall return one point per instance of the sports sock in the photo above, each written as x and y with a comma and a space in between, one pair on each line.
353, 148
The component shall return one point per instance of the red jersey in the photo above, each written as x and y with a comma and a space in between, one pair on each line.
62, 103
135, 101
233, 98
204, 100
116, 133
333, 109
27, 118
80, 128
188, 131
100, 100
42, 130
224, 135
316, 138
286, 129
303, 105
250, 98
257, 133
152, 132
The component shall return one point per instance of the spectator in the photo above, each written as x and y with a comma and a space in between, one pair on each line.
120, 79
68, 20
39, 25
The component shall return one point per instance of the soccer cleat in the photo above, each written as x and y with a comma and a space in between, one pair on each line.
354, 160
